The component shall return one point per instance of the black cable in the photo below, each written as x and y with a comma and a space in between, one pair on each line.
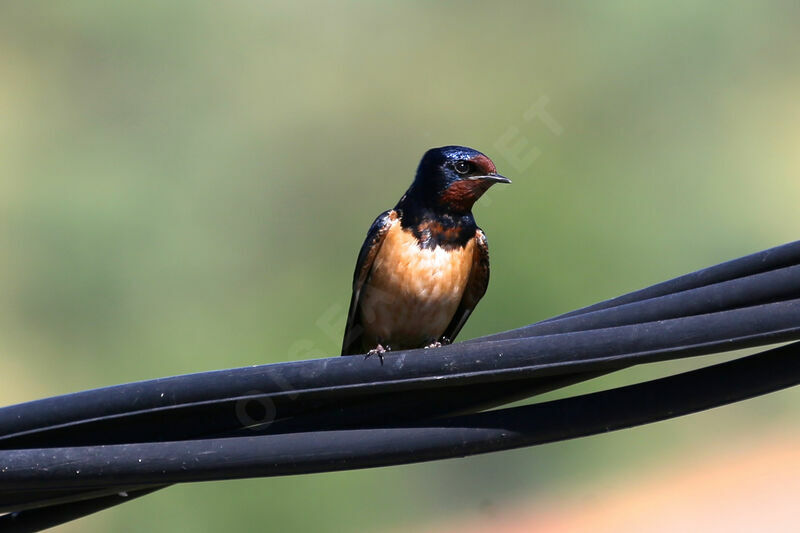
772, 286
175, 408
284, 454
39, 519
773, 258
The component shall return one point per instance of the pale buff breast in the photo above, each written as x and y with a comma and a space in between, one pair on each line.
412, 293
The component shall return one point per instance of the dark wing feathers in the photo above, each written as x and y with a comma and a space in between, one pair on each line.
369, 250
476, 287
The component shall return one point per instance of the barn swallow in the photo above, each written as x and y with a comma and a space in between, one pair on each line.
425, 264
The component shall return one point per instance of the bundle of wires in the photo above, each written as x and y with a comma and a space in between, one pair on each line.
68, 456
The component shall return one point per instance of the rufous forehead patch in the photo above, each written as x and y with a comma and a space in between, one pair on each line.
484, 164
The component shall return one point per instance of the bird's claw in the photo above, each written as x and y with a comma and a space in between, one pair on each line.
438, 344
379, 350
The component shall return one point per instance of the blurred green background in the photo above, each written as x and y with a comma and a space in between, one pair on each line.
184, 187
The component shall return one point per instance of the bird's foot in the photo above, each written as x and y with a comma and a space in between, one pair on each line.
379, 350
438, 344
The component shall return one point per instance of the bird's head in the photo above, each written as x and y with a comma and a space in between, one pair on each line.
452, 178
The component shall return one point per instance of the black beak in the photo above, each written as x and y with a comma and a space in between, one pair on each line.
497, 178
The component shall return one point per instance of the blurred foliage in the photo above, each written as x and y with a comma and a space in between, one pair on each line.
184, 186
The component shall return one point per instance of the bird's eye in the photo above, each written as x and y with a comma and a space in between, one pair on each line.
462, 167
